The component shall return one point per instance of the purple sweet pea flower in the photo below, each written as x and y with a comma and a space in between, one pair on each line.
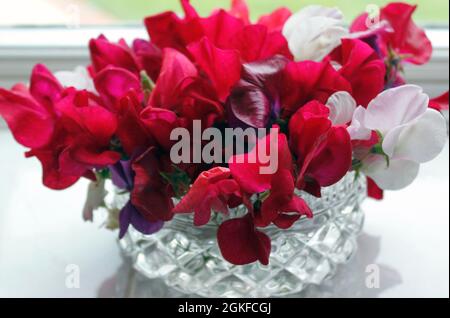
130, 215
122, 177
253, 101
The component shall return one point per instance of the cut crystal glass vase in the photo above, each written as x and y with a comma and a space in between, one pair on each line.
187, 258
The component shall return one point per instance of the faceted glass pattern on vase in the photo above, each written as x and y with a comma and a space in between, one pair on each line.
187, 258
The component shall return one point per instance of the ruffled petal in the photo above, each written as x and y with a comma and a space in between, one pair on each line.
357, 129
177, 71
396, 107
423, 140
114, 83
342, 106
239, 9
105, 53
314, 32
30, 123
214, 61
275, 20
362, 67
398, 175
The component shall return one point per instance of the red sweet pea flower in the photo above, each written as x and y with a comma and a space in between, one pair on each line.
176, 73
241, 243
306, 81
324, 153
246, 168
114, 83
151, 195
213, 190
132, 132
181, 89
67, 130
440, 103
30, 122
105, 53
80, 141
213, 61
143, 56
159, 123
149, 57
275, 21
253, 42
282, 207
239, 9
407, 40
362, 67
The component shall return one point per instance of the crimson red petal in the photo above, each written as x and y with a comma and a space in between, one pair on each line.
211, 191
306, 81
149, 57
246, 168
44, 87
114, 83
176, 72
373, 190
241, 243
408, 39
105, 53
213, 61
30, 123
239, 9
362, 67
440, 103
275, 21
255, 43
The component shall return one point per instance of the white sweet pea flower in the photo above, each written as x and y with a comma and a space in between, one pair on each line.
78, 78
313, 32
411, 134
342, 106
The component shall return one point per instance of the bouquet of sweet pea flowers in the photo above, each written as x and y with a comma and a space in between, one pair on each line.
154, 117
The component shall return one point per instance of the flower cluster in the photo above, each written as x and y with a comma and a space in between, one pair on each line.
334, 99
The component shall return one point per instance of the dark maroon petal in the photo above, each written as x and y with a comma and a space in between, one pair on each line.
253, 101
241, 243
